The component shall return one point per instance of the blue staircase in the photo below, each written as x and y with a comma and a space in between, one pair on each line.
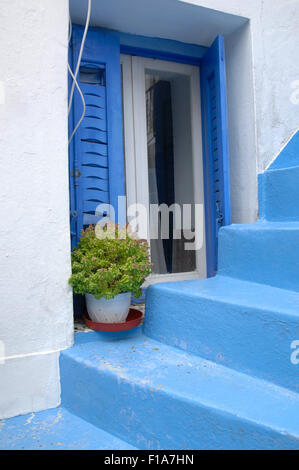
211, 367
155, 396
55, 429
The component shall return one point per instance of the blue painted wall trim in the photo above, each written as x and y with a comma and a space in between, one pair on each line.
163, 49
156, 48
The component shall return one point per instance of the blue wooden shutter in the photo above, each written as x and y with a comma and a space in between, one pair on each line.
215, 146
96, 153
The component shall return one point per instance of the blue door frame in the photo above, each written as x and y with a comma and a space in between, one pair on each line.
103, 48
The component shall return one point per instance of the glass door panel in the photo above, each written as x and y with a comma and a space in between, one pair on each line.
170, 168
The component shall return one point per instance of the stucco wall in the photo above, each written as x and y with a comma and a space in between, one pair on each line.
241, 125
36, 302
274, 28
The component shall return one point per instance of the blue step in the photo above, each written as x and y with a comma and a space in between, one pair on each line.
158, 397
55, 429
279, 194
263, 252
242, 325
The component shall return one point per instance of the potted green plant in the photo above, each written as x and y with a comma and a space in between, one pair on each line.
108, 266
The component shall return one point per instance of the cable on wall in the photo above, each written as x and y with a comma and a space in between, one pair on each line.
74, 75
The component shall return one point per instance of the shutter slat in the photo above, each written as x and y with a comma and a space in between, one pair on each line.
93, 121
91, 206
96, 111
94, 159
96, 194
100, 184
95, 103
96, 89
91, 219
92, 148
94, 96
94, 172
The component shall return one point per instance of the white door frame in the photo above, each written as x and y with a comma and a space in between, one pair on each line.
135, 133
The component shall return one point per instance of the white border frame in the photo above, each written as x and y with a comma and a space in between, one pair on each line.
135, 133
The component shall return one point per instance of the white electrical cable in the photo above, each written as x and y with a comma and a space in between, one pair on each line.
80, 53
83, 102
74, 75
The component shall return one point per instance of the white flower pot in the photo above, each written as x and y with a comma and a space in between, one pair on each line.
108, 311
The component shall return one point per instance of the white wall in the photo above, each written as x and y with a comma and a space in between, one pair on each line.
275, 49
36, 302
262, 116
241, 125
262, 65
